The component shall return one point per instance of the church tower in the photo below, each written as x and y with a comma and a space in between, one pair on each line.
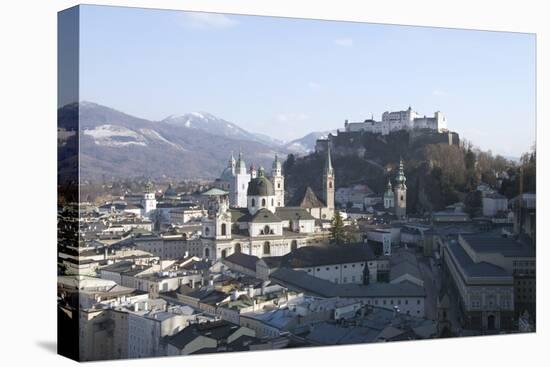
222, 219
278, 182
240, 184
328, 182
148, 202
232, 163
400, 191
389, 197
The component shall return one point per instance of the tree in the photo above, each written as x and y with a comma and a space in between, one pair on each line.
289, 163
337, 233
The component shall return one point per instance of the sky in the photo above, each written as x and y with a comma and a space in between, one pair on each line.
288, 77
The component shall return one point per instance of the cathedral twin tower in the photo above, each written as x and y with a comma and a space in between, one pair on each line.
235, 180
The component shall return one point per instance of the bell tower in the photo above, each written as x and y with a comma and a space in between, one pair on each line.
278, 182
400, 191
328, 182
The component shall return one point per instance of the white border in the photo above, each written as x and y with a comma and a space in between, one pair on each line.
28, 201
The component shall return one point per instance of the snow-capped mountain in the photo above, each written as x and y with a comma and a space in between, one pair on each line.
217, 126
115, 144
306, 144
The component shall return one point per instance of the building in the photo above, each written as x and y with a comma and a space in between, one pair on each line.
395, 197
262, 227
399, 120
494, 203
409, 298
209, 337
339, 264
494, 278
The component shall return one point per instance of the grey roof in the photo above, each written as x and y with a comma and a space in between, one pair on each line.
491, 243
472, 269
293, 213
264, 216
260, 186
217, 330
244, 260
302, 281
215, 192
318, 255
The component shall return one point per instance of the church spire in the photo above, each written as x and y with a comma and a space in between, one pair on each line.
328, 164
400, 178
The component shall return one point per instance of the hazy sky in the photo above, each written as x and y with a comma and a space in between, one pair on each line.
288, 77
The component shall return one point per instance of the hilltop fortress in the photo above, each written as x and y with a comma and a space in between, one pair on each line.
399, 120
401, 130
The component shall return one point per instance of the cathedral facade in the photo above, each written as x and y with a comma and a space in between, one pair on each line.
251, 217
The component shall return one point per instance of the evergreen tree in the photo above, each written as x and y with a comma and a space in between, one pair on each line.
337, 233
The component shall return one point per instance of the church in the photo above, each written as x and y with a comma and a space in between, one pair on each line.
395, 197
247, 213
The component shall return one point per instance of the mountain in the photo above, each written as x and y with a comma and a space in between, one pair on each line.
211, 124
115, 144
305, 144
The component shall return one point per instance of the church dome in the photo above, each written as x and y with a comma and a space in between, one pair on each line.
260, 186
227, 174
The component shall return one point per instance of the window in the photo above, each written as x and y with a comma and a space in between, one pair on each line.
267, 230
345, 279
253, 202
279, 185
207, 231
417, 301
267, 248
272, 202
327, 269
237, 248
330, 185
224, 229
384, 302
263, 202
293, 245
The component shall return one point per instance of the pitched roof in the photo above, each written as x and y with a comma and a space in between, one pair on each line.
309, 200
264, 216
293, 213
244, 260
318, 255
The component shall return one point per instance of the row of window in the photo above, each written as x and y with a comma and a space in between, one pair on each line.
336, 267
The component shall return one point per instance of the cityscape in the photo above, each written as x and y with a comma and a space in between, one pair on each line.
191, 234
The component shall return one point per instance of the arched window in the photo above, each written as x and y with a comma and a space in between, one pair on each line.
401, 197
293, 245
263, 202
330, 185
267, 248
207, 231
253, 202
237, 248
224, 229
207, 252
267, 230
224, 254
